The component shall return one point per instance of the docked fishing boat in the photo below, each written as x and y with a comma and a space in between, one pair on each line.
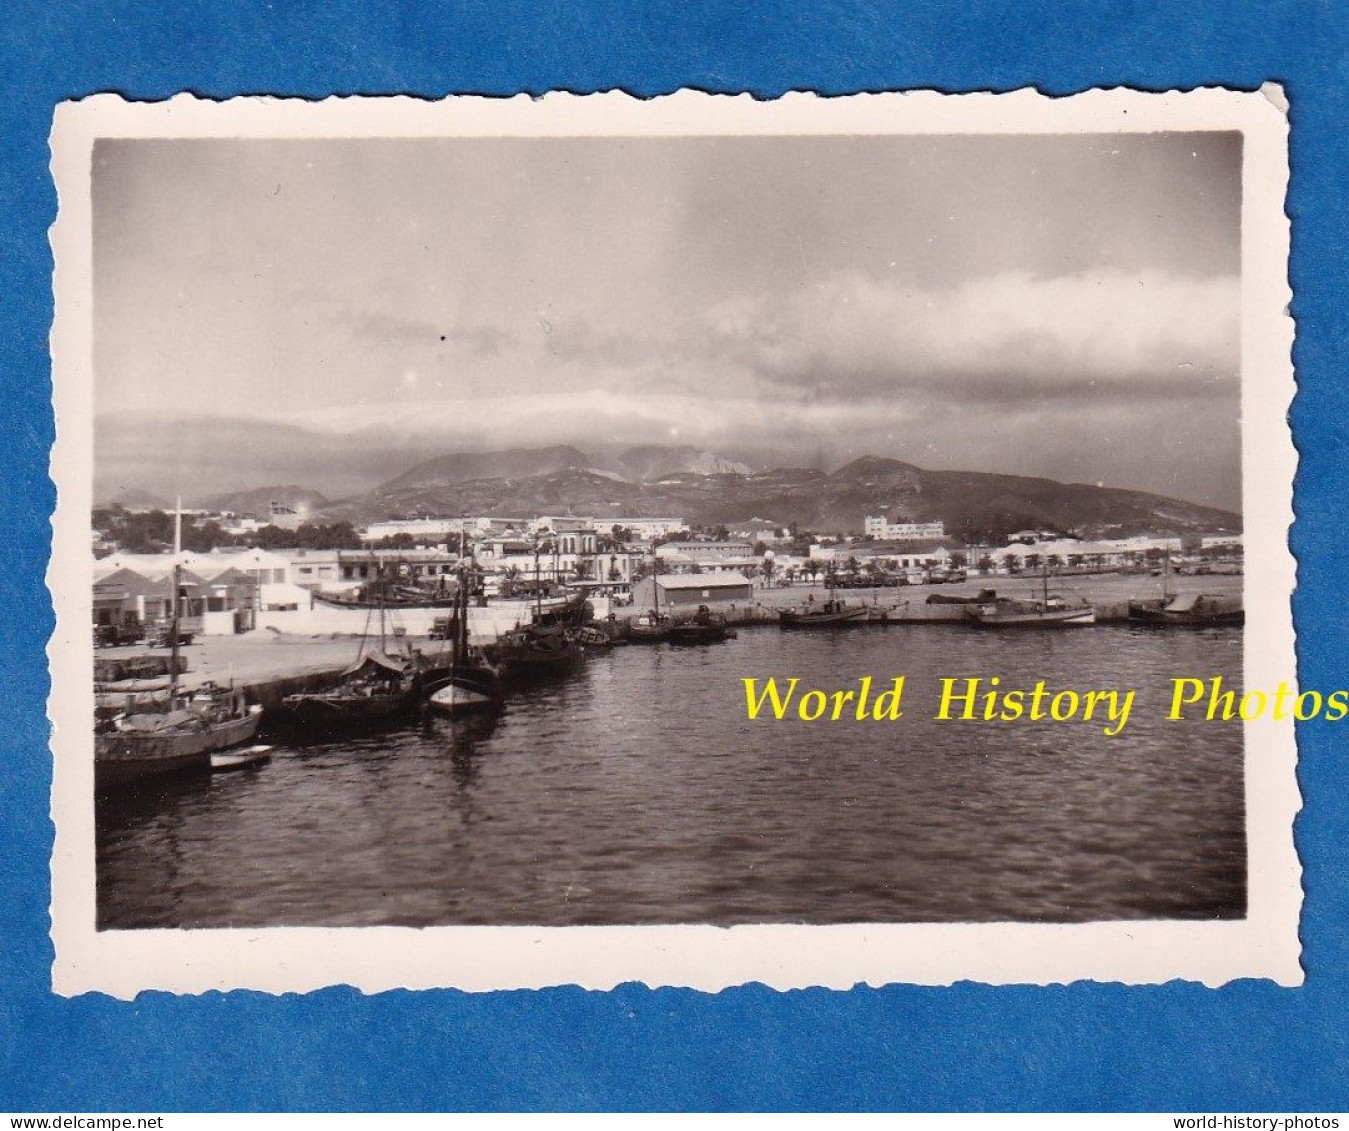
537, 651
828, 614
131, 747
546, 647
176, 736
649, 628
652, 626
472, 683
387, 596
1048, 610
378, 689
1193, 610
704, 627
592, 638
1052, 612
384, 685
458, 699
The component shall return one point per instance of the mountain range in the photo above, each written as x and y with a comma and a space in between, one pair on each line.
705, 489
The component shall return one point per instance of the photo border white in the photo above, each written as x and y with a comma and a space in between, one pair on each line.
281, 959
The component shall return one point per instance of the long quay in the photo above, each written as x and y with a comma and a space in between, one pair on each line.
270, 665
1108, 593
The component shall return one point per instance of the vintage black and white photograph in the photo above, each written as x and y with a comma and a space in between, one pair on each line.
805, 522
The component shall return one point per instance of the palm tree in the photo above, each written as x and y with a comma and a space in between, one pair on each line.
766, 567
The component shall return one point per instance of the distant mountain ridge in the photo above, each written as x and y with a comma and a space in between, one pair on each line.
465, 467
258, 501
135, 499
637, 464
706, 489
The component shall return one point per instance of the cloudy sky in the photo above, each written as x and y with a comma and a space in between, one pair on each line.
328, 312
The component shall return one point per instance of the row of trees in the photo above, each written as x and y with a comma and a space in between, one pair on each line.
151, 532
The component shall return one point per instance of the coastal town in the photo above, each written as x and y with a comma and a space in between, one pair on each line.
203, 649
433, 538
252, 583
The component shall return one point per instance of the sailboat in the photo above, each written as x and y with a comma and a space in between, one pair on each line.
382, 686
546, 647
134, 745
472, 682
652, 626
1050, 610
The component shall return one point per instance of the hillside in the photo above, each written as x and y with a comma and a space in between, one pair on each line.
259, 500
976, 506
468, 467
134, 499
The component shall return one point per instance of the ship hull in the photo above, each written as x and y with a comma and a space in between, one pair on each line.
1053, 618
335, 715
454, 699
123, 759
844, 618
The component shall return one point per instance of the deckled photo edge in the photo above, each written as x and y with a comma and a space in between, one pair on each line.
278, 960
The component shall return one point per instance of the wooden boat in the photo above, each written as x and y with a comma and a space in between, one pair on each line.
392, 597
705, 627
832, 613
649, 628
456, 698
539, 651
130, 748
376, 690
472, 683
546, 647
596, 639
241, 759
134, 745
1049, 610
382, 687
1053, 612
829, 614
1191, 610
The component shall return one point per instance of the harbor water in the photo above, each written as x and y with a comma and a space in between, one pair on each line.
638, 792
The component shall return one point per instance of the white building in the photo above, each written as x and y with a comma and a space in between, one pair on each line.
422, 529
878, 526
644, 527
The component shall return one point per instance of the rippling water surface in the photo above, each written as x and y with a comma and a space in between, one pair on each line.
638, 792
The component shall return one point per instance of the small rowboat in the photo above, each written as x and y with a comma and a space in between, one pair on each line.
241, 759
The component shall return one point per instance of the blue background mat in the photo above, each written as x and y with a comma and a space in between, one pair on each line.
1248, 1046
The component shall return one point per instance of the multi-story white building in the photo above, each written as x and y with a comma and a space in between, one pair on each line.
645, 528
437, 528
878, 526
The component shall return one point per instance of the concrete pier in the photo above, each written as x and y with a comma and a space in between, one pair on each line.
271, 664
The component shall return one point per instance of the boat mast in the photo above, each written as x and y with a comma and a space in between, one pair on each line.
655, 581
174, 615
538, 593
